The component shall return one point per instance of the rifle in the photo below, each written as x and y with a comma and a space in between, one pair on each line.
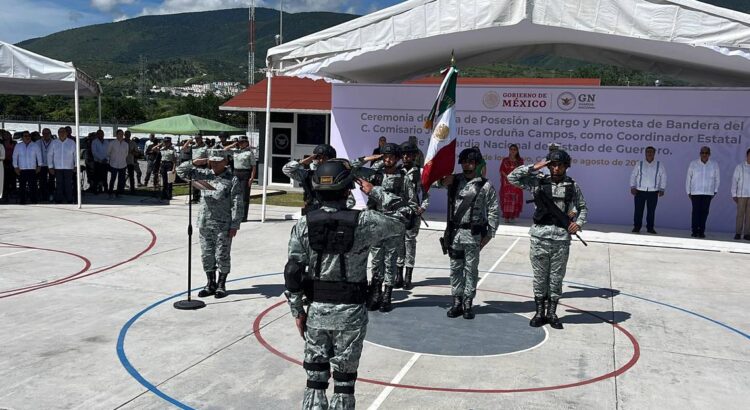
561, 217
447, 240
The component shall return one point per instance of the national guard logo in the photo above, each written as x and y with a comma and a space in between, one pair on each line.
566, 101
326, 180
491, 99
442, 131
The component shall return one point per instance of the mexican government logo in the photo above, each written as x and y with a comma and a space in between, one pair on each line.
281, 141
442, 131
491, 99
566, 101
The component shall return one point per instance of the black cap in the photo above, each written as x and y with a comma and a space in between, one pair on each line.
470, 154
409, 148
559, 156
390, 148
334, 175
325, 150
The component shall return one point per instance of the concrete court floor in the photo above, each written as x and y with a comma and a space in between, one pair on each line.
646, 327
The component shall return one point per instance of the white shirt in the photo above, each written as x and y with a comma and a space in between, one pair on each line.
702, 179
27, 156
62, 154
741, 181
44, 150
117, 154
649, 176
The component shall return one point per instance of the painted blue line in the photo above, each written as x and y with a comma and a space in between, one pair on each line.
129, 367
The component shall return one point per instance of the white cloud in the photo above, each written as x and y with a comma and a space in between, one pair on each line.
24, 19
109, 5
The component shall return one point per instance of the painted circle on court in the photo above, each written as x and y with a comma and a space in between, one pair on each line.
133, 372
493, 333
29, 288
622, 369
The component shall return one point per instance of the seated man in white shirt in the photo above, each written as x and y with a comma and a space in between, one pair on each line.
701, 184
61, 159
647, 183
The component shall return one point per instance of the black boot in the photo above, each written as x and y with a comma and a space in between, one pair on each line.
210, 287
468, 313
375, 295
407, 278
221, 289
386, 306
538, 320
552, 318
398, 281
456, 309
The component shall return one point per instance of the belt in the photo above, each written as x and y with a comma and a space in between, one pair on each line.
465, 226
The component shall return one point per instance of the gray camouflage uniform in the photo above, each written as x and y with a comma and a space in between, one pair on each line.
550, 244
220, 211
465, 272
408, 251
244, 162
335, 332
385, 254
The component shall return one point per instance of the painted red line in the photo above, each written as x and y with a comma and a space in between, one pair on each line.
86, 265
81, 276
633, 360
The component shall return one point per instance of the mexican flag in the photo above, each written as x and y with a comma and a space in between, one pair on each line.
441, 154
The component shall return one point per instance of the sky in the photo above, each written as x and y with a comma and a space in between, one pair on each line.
24, 19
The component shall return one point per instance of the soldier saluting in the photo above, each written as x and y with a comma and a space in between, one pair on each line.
219, 217
333, 242
473, 217
560, 211
302, 172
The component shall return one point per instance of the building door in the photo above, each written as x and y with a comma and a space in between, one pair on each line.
281, 152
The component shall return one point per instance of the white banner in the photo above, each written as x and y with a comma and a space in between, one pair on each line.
605, 130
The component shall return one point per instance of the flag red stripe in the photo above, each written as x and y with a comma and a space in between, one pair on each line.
441, 165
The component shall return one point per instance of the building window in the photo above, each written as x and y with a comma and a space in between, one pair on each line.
311, 129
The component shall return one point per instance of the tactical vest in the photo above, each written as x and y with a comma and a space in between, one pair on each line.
542, 215
333, 233
396, 189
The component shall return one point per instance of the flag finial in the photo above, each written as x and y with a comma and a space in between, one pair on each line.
453, 58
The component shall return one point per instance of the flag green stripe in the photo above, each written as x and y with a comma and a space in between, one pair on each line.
449, 98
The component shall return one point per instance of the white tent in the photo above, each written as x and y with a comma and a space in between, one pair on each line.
25, 73
681, 38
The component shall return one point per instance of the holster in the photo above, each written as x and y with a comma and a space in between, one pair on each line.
443, 246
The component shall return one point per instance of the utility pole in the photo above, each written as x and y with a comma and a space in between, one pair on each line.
251, 65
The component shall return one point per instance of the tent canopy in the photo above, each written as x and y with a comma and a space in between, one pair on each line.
185, 125
685, 39
25, 73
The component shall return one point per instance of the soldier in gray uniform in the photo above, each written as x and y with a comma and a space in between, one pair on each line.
473, 217
387, 174
219, 217
244, 169
302, 171
167, 165
333, 241
408, 252
560, 211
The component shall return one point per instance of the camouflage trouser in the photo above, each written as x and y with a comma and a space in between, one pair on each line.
407, 252
385, 258
216, 246
465, 272
549, 259
331, 350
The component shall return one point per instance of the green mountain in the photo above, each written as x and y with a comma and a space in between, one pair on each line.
178, 46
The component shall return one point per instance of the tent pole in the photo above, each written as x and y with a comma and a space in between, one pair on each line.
266, 153
78, 145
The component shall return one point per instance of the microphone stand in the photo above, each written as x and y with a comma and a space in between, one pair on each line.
189, 304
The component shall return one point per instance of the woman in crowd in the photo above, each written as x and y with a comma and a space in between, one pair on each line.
511, 197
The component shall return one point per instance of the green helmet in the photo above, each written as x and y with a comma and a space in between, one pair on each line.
391, 148
470, 154
334, 175
409, 148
